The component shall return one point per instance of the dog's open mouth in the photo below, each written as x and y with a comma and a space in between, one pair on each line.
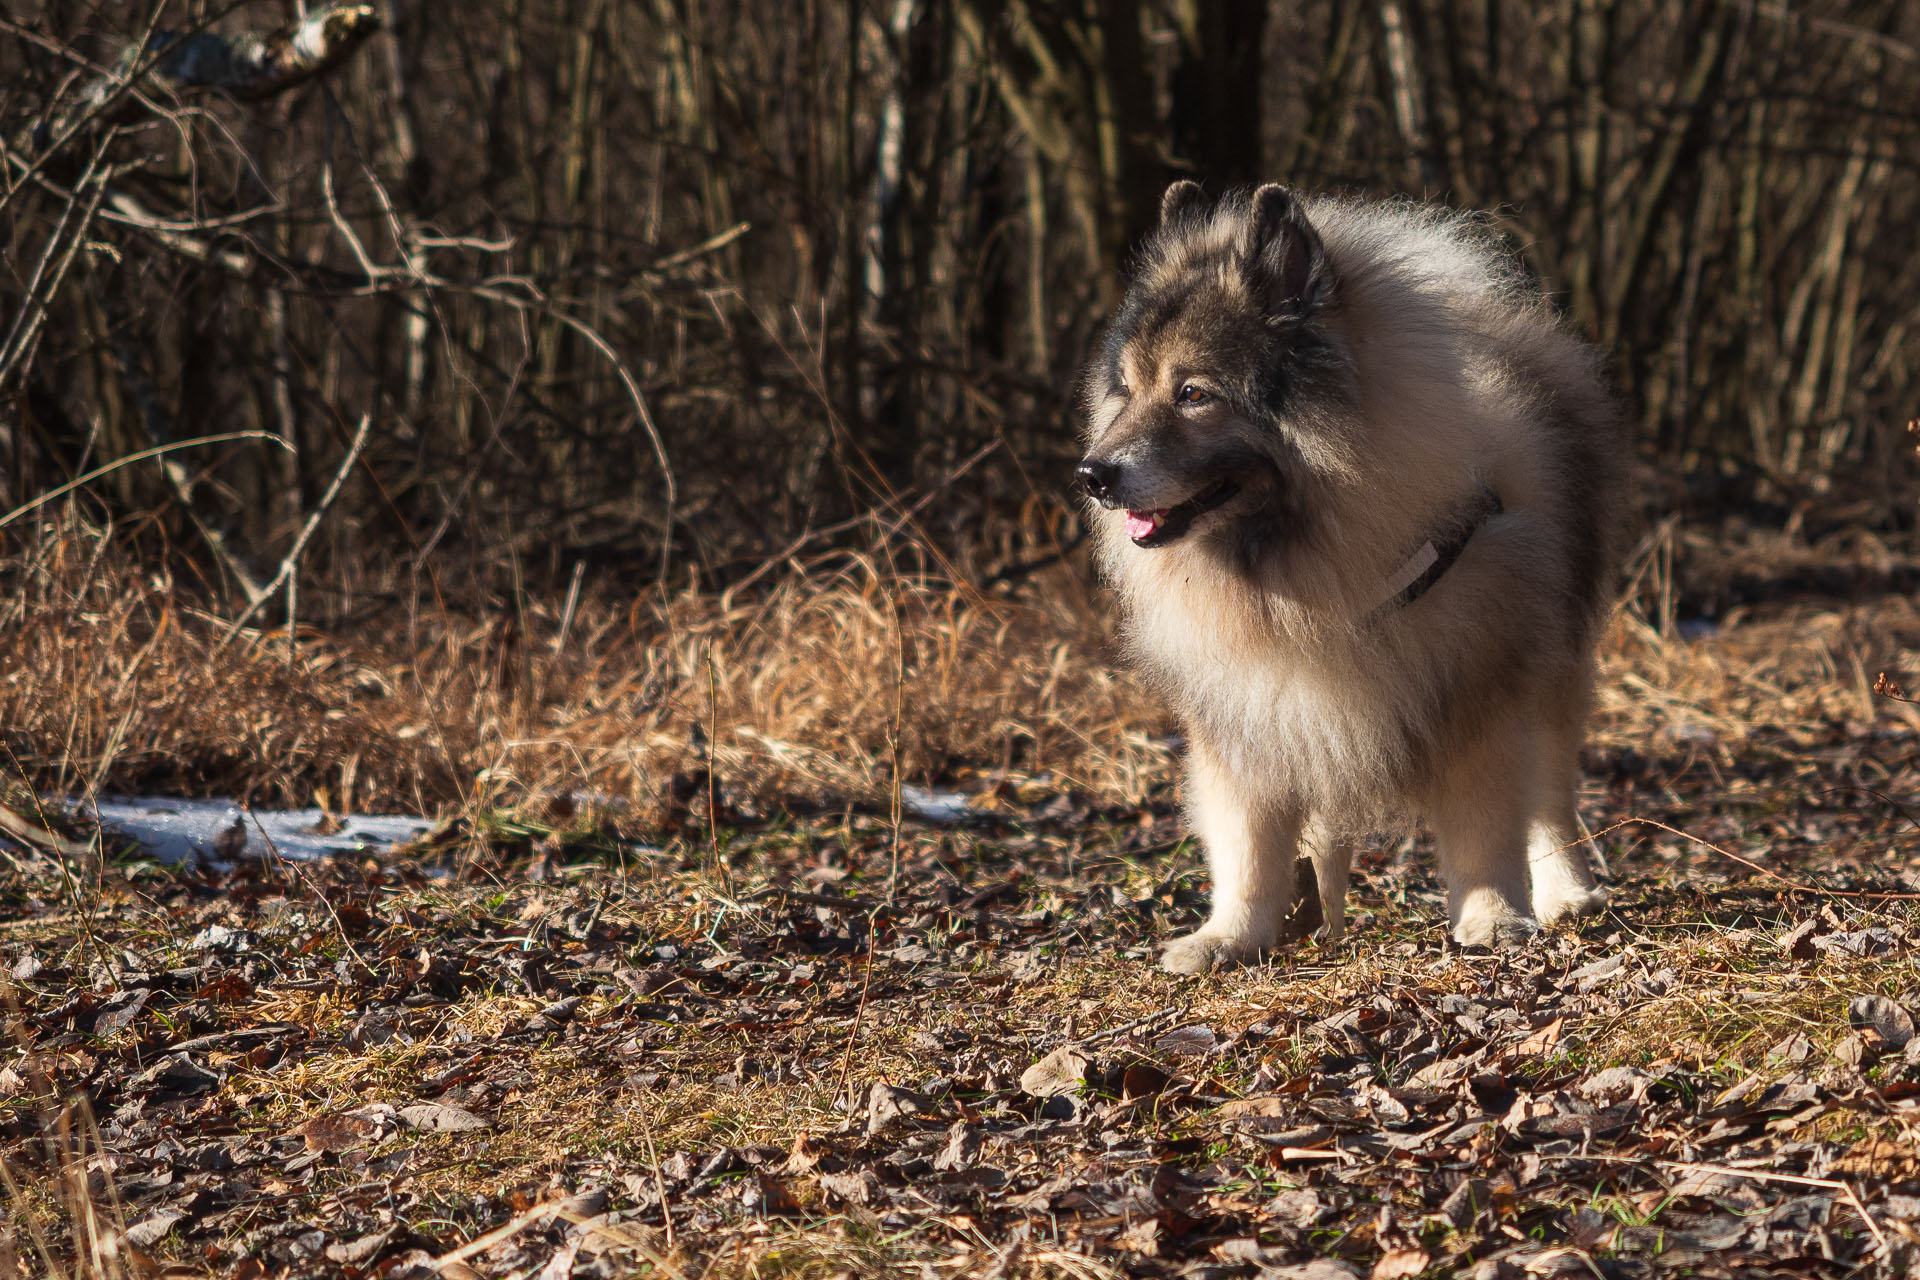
1162, 525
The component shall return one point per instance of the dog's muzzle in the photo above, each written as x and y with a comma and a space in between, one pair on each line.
1160, 526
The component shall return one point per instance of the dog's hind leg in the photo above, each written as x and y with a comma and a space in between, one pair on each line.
1332, 855
1479, 811
1563, 882
1251, 846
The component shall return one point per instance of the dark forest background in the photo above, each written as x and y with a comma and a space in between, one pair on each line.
730, 283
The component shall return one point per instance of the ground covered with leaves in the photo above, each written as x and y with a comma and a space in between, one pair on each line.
714, 1024
850, 1045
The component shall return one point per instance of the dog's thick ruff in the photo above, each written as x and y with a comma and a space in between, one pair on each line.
1359, 381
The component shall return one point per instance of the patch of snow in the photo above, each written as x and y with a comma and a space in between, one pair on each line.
935, 805
220, 831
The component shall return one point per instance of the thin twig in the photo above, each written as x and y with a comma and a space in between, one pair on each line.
289, 565
1113, 1033
480, 1244
851, 906
23, 338
893, 739
1860, 894
853, 1032
62, 490
713, 785
1799, 1180
659, 1180
719, 240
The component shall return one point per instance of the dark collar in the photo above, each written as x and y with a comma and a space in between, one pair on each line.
1416, 576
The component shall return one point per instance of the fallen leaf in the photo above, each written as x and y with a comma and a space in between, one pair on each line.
804, 1156
1705, 1183
1864, 942
439, 1117
220, 938
1616, 1084
358, 1253
1857, 1051
857, 1186
120, 1014
1589, 977
1526, 1107
1300, 1207
414, 1264
343, 1132
1143, 1080
1465, 1202
768, 1196
1792, 1051
963, 1142
177, 1076
1542, 1040
885, 1104
1192, 1042
1142, 1237
1893, 1023
1318, 1269
1062, 1071
152, 1229
554, 1016
1396, 1264
560, 1265
1878, 1160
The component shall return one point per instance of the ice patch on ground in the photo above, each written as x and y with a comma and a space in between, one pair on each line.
935, 805
220, 831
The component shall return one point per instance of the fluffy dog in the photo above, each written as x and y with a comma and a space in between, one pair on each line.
1360, 495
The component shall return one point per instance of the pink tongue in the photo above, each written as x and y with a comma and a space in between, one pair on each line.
1142, 523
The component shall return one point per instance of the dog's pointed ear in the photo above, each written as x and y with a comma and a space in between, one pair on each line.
1183, 200
1283, 253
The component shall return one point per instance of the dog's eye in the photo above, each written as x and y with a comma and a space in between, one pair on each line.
1122, 390
1190, 395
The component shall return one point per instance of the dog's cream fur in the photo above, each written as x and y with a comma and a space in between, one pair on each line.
1414, 370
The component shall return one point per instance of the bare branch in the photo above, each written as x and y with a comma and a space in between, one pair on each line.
253, 66
291, 564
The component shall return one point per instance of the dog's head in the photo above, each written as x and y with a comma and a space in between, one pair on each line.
1219, 354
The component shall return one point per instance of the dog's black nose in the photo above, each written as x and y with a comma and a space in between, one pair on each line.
1098, 478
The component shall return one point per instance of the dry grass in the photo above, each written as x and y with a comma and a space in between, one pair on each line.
64, 1220
808, 694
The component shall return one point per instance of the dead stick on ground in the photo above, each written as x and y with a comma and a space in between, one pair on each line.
659, 1180
480, 1244
32, 833
290, 565
1763, 1175
1754, 866
1171, 1011
1728, 1171
713, 785
853, 1034
623, 1236
68, 917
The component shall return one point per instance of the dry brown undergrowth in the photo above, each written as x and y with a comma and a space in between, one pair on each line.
116, 677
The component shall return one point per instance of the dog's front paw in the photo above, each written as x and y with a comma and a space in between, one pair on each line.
1569, 903
1494, 929
1206, 950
